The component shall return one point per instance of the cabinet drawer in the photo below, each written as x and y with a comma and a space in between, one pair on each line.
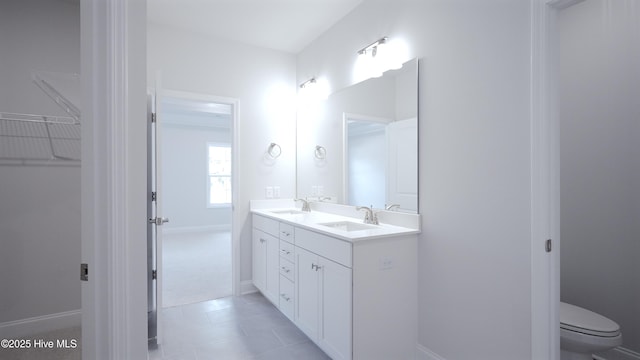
286, 232
326, 246
267, 225
286, 297
286, 269
287, 251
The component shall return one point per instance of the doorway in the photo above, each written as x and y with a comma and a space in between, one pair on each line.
196, 164
192, 183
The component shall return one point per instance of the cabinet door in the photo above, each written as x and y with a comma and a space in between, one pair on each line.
307, 314
259, 260
272, 269
335, 303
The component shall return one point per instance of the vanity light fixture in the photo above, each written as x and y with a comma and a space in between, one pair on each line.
373, 47
309, 83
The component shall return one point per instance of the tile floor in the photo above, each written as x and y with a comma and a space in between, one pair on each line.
196, 267
244, 327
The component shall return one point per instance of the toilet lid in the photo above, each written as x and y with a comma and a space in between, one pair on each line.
581, 320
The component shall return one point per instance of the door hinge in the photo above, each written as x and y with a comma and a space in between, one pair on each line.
84, 272
153, 117
548, 245
154, 274
154, 196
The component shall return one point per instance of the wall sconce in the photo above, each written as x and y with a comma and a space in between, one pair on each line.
373, 47
378, 57
314, 89
308, 84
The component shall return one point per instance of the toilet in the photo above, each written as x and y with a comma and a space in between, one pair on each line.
583, 332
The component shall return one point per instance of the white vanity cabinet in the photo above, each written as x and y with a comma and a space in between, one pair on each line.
265, 257
323, 308
356, 299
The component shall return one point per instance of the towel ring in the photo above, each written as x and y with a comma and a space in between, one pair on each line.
274, 150
321, 152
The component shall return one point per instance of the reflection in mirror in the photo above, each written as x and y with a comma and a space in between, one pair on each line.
370, 131
380, 162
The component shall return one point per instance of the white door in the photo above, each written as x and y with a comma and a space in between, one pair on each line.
307, 315
335, 324
155, 219
259, 255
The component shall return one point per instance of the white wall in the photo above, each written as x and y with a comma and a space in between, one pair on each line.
184, 178
39, 205
600, 161
474, 251
265, 83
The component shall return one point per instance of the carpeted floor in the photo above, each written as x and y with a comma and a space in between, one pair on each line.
196, 267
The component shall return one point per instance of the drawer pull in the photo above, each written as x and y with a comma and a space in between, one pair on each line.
262, 240
287, 252
285, 297
315, 267
286, 233
286, 270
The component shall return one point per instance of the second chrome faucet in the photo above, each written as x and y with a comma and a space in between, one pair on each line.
370, 217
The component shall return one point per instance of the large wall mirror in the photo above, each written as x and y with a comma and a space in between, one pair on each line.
360, 145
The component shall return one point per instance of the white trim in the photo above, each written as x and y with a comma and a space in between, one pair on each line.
40, 324
114, 318
423, 353
544, 331
545, 182
629, 354
195, 229
247, 287
619, 353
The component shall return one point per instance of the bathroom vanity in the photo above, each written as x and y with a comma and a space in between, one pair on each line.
351, 287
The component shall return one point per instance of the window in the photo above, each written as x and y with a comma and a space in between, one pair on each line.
219, 175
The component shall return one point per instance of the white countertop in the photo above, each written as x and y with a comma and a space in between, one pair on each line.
391, 223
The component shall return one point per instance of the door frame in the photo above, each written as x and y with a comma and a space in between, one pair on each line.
235, 179
113, 185
545, 180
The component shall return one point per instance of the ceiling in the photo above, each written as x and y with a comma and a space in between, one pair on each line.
285, 25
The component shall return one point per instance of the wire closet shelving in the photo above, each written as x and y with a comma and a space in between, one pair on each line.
34, 139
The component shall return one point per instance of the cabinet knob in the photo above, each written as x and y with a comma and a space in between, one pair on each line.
262, 240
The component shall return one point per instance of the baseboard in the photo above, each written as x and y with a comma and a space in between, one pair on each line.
40, 324
195, 229
422, 353
247, 287
619, 353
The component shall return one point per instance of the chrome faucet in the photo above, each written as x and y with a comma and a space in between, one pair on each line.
305, 204
390, 207
370, 217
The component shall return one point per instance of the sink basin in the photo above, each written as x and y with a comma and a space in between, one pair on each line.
287, 212
348, 226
